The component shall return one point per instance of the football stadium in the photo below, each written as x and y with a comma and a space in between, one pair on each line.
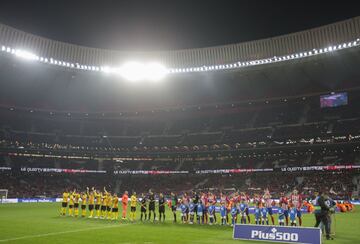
256, 140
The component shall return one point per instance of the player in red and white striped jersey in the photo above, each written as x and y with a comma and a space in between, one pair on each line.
268, 204
297, 202
284, 204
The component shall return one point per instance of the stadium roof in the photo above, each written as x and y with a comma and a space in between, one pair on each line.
332, 65
332, 35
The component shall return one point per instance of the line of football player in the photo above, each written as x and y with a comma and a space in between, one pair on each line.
199, 208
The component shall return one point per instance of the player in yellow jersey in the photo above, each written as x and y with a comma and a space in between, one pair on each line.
76, 203
97, 203
83, 204
91, 197
64, 203
103, 205
71, 204
133, 203
115, 207
109, 202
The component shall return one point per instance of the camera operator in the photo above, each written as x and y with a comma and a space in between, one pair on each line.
323, 208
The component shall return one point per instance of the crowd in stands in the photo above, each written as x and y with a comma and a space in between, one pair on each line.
265, 126
265, 136
52, 185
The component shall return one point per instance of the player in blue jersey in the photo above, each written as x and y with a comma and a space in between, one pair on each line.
242, 210
292, 215
264, 216
257, 214
223, 213
192, 208
199, 213
234, 212
183, 209
281, 216
211, 213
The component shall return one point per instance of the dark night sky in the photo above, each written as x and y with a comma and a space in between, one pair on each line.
155, 25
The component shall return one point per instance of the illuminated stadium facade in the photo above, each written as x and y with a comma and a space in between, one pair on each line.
303, 44
243, 108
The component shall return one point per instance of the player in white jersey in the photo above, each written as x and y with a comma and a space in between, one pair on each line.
268, 204
296, 201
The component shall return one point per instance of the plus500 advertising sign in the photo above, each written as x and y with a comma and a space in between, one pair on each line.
31, 200
278, 234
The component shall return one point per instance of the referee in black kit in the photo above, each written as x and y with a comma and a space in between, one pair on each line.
151, 199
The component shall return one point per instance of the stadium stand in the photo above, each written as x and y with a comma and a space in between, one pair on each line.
247, 126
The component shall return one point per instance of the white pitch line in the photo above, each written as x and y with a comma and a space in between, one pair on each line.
60, 233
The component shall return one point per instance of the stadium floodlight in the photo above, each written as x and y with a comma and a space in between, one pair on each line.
25, 55
105, 69
154, 71
132, 71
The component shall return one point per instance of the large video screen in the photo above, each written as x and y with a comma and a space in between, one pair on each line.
334, 100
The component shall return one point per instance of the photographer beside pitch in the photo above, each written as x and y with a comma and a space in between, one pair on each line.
323, 208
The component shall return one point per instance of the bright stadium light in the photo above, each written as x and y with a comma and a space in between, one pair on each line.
105, 69
25, 55
135, 71
132, 71
155, 71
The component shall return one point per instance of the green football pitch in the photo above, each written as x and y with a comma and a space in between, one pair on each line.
41, 223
